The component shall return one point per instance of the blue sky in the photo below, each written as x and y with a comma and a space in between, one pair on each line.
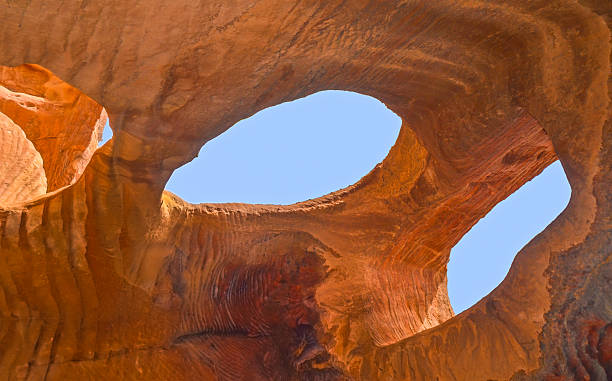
291, 152
315, 145
481, 260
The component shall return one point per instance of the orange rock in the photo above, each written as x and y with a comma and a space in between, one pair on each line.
109, 277
64, 125
21, 167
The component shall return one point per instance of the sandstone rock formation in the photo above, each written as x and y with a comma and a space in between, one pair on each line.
103, 275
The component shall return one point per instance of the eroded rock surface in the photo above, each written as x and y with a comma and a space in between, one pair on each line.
109, 277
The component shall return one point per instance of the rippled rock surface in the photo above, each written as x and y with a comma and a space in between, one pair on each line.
103, 275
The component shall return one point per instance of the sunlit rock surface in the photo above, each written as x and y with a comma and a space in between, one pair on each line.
61, 123
103, 275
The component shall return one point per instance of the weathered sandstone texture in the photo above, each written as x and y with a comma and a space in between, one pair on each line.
104, 276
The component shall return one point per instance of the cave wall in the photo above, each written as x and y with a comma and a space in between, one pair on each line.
104, 275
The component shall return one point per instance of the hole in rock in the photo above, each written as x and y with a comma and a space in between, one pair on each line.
291, 152
107, 134
482, 258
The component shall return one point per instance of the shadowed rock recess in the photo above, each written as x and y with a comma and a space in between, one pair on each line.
104, 276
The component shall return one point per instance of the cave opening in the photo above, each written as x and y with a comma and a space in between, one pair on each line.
107, 134
291, 152
483, 256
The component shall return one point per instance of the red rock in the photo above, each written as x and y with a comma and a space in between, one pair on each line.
112, 278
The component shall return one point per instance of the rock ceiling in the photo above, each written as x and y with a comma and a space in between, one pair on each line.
103, 275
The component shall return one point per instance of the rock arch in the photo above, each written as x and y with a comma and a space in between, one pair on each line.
112, 278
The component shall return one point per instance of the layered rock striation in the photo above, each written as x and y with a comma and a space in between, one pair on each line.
103, 275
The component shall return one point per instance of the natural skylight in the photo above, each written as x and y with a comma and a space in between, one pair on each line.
481, 260
291, 152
